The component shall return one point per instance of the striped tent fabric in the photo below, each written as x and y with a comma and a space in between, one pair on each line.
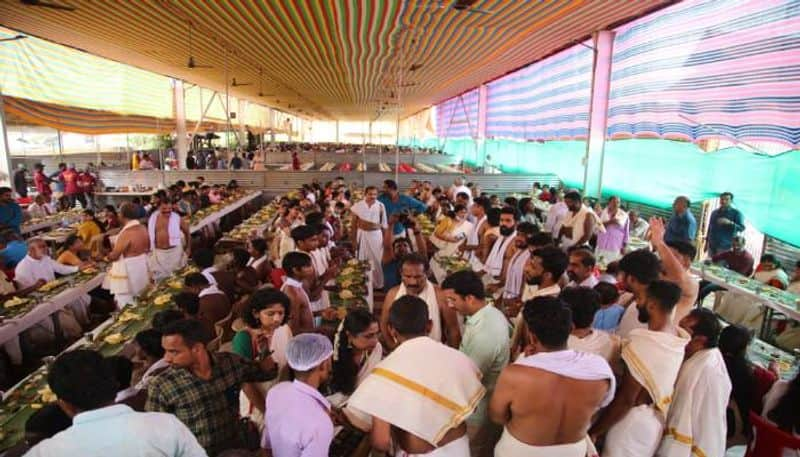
81, 120
709, 69
458, 116
548, 100
38, 70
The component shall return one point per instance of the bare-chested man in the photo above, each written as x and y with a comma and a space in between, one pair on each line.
419, 408
414, 281
298, 268
676, 258
578, 384
634, 422
168, 233
129, 274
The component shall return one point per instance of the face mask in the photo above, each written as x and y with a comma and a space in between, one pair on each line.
506, 231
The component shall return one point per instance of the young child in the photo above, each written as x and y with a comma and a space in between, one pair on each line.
608, 316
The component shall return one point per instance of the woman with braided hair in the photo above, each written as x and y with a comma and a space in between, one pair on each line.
356, 350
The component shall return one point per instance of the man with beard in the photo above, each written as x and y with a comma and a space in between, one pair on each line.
636, 271
395, 249
578, 225
414, 281
581, 269
501, 251
542, 273
511, 281
633, 423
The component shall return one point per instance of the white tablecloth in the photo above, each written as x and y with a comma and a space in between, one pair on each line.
211, 218
10, 329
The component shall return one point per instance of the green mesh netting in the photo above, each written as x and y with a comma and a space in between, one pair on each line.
653, 171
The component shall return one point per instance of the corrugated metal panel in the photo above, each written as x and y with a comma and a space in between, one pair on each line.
786, 253
371, 157
276, 182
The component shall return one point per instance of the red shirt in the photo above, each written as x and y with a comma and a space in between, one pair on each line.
42, 183
544, 196
86, 182
741, 263
70, 178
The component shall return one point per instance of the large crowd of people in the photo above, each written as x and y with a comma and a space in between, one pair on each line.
514, 327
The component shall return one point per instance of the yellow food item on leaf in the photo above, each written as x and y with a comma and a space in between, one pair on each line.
114, 338
345, 295
16, 301
162, 299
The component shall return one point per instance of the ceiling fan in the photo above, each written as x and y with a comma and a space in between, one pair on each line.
459, 5
238, 84
13, 38
191, 63
55, 6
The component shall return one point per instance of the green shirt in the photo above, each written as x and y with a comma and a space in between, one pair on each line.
486, 341
242, 344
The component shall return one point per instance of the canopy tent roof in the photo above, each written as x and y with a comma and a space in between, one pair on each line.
337, 59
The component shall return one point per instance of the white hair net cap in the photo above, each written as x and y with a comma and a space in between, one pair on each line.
307, 351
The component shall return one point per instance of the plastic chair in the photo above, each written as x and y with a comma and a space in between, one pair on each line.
764, 381
769, 440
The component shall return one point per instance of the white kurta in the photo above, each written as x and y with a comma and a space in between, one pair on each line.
369, 243
696, 423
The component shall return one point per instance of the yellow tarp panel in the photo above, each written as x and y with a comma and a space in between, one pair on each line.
45, 72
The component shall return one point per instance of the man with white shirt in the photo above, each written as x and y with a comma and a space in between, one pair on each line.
366, 232
38, 266
473, 244
702, 393
224, 280
556, 215
580, 269
458, 187
84, 383
637, 226
584, 303
578, 224
306, 239
39, 208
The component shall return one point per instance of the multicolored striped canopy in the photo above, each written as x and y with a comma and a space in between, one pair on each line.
709, 69
327, 59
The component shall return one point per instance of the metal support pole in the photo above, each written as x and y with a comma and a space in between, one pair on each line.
5, 162
598, 114
181, 144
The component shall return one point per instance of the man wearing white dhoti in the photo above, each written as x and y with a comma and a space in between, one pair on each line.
305, 238
369, 220
168, 234
696, 423
509, 286
129, 273
578, 224
502, 249
419, 408
633, 423
471, 247
414, 281
577, 384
